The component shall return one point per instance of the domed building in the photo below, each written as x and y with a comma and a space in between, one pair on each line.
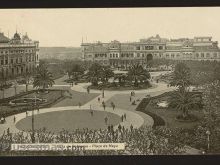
18, 55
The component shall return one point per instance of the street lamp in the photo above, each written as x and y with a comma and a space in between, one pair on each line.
208, 139
32, 123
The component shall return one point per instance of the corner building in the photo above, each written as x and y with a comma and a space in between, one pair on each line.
122, 55
18, 56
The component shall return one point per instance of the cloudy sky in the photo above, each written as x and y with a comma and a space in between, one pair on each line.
66, 27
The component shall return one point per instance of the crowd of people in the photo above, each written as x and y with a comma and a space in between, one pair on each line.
144, 140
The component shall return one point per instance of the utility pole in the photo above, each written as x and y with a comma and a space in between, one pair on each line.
35, 103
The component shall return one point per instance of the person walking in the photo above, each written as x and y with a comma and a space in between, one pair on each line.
130, 98
98, 99
125, 116
131, 127
79, 105
119, 127
103, 93
26, 113
14, 119
106, 120
104, 106
122, 118
88, 90
91, 112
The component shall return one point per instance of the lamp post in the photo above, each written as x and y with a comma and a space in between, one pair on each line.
208, 139
32, 121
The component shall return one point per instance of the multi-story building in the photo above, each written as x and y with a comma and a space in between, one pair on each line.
18, 55
122, 55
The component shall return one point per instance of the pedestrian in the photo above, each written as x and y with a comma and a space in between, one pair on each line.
123, 128
130, 98
122, 118
119, 127
106, 120
79, 105
91, 112
113, 106
14, 119
26, 113
88, 90
104, 106
103, 94
109, 128
125, 116
131, 127
131, 93
8, 131
98, 99
112, 128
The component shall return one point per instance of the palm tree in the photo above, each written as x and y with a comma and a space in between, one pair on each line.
43, 78
181, 77
94, 74
106, 74
137, 73
184, 101
76, 71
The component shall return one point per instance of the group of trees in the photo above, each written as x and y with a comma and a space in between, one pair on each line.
136, 74
182, 99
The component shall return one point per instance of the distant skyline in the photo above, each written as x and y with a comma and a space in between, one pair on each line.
66, 27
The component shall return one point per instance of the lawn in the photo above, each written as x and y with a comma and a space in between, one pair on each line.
169, 115
69, 120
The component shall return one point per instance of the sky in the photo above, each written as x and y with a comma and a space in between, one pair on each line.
67, 27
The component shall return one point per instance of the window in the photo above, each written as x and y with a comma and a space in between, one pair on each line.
197, 55
12, 61
2, 62
202, 55
207, 55
160, 47
172, 55
215, 55
16, 60
138, 54
6, 62
138, 48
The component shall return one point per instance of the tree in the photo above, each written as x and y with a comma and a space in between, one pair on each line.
43, 78
94, 74
106, 74
184, 101
201, 78
76, 71
181, 77
27, 77
211, 101
121, 78
216, 74
137, 73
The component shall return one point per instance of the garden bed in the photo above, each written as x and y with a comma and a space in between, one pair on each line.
115, 86
52, 97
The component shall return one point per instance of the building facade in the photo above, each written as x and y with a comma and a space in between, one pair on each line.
122, 55
18, 56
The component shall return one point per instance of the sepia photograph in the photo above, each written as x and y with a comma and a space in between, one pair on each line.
110, 81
